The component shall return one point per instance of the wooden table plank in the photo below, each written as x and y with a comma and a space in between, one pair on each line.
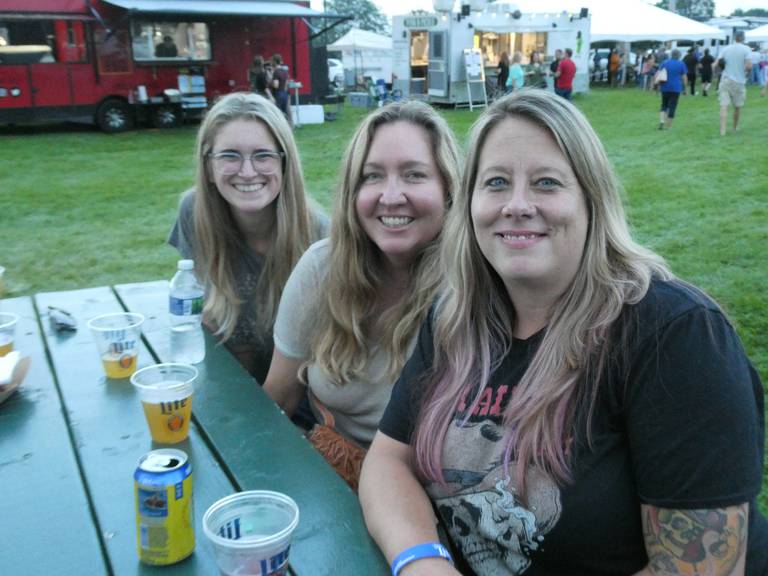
46, 525
263, 450
111, 435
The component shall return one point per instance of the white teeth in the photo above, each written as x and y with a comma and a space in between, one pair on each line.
519, 236
247, 188
395, 221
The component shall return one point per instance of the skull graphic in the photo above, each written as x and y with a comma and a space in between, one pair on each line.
495, 532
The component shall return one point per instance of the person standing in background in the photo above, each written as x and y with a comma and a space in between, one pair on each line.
279, 86
503, 73
536, 72
516, 78
167, 48
566, 70
706, 71
691, 63
556, 62
614, 62
737, 58
259, 79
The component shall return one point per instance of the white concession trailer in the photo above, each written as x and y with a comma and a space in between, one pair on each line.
429, 48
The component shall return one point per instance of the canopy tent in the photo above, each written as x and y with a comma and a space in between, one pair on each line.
365, 53
357, 39
758, 34
627, 20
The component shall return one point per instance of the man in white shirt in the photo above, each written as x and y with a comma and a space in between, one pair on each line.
738, 63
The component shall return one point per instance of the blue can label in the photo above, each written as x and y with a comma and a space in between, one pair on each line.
186, 306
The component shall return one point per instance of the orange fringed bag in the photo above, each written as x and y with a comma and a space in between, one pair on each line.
343, 454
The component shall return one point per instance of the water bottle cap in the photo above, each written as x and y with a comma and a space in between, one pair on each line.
186, 264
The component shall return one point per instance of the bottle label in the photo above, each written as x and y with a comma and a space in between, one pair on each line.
186, 306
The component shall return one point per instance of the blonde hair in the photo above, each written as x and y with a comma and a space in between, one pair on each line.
350, 305
474, 317
218, 239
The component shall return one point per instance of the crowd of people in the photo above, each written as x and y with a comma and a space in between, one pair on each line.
514, 76
534, 388
269, 78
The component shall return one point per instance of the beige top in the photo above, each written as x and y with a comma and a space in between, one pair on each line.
357, 406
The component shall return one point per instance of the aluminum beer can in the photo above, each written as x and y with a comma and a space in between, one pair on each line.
165, 531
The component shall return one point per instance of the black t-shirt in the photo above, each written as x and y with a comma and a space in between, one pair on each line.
691, 63
678, 424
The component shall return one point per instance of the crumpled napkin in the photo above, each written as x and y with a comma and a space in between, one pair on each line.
8, 364
13, 370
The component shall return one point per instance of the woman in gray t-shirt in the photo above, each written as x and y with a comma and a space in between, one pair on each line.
246, 223
351, 309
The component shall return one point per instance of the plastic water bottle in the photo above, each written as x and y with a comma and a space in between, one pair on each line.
186, 309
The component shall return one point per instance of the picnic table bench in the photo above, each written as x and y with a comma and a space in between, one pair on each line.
70, 439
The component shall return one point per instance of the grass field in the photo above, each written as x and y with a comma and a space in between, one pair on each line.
80, 208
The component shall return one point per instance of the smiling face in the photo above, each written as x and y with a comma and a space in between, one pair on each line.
247, 192
401, 199
528, 209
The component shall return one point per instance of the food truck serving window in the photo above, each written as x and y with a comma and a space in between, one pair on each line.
26, 41
170, 41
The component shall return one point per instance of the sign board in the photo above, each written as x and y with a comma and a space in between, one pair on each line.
473, 65
420, 22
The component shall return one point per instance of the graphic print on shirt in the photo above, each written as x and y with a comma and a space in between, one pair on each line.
495, 532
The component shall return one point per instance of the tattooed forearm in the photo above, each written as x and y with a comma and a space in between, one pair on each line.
696, 542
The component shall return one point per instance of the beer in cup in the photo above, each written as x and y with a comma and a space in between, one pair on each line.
118, 337
7, 331
165, 391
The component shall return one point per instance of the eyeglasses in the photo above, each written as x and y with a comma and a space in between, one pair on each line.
230, 162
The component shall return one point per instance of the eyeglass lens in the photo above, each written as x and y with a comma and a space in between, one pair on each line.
232, 162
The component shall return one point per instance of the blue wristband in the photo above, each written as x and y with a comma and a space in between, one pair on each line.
425, 550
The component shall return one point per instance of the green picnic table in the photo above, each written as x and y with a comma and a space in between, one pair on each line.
70, 439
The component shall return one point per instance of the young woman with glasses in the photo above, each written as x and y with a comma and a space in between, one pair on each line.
350, 312
246, 222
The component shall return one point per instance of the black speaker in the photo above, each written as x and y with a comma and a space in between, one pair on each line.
584, 13
465, 9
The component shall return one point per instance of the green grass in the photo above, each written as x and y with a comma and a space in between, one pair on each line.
80, 208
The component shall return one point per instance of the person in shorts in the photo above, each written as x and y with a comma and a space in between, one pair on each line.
738, 63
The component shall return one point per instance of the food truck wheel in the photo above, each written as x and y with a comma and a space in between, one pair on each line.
166, 117
114, 116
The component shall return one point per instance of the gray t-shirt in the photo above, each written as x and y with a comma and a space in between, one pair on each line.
357, 406
249, 342
735, 55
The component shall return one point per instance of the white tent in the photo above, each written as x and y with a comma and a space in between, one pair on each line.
357, 39
628, 20
758, 34
365, 53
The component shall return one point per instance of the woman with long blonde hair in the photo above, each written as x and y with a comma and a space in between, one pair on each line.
246, 222
570, 407
351, 310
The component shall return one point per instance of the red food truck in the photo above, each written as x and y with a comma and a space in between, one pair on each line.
116, 63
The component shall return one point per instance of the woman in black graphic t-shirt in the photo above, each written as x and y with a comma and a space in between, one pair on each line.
571, 407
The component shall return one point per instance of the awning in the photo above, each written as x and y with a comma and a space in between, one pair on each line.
219, 8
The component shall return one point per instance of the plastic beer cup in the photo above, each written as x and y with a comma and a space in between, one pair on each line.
250, 532
165, 391
7, 331
118, 337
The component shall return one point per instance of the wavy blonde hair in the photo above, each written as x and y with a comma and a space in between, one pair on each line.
474, 316
218, 239
350, 304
